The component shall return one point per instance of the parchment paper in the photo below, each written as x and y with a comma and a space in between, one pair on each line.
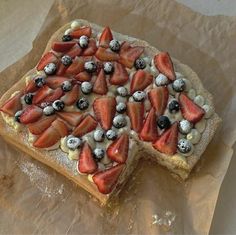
34, 199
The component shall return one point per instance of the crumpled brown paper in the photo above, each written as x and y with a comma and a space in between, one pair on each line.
34, 199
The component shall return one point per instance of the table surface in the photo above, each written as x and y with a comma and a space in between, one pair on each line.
13, 48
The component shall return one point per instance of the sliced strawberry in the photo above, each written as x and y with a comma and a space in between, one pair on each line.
41, 94
62, 46
135, 112
55, 95
91, 49
76, 67
49, 57
120, 76
31, 113
128, 56
159, 98
105, 37
87, 125
76, 50
83, 76
86, 163
118, 149
124, 46
164, 64
87, 31
70, 97
140, 81
41, 125
104, 54
31, 86
105, 109
73, 118
100, 84
55, 81
61, 69
191, 111
107, 179
149, 130
61, 127
12, 105
167, 142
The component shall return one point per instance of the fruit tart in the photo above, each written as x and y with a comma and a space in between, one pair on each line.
98, 101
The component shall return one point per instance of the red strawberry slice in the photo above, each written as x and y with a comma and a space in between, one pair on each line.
159, 98
91, 49
86, 163
87, 31
76, 67
107, 179
12, 105
128, 56
87, 125
41, 125
164, 64
120, 76
49, 57
104, 54
31, 86
61, 127
55, 95
124, 46
41, 94
73, 118
83, 77
105, 109
61, 69
149, 130
140, 81
191, 111
62, 46
32, 113
76, 50
118, 149
135, 112
100, 84
105, 37
55, 81
71, 97
167, 142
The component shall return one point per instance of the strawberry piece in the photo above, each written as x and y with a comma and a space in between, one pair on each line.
41, 94
120, 75
55, 95
83, 77
86, 163
49, 57
167, 142
31, 87
107, 179
118, 149
124, 47
41, 125
55, 81
140, 81
62, 46
105, 37
128, 56
87, 31
60, 127
100, 84
70, 97
191, 111
76, 67
12, 105
61, 69
32, 113
149, 130
91, 49
159, 98
87, 125
104, 54
73, 118
164, 64
105, 109
135, 112
76, 50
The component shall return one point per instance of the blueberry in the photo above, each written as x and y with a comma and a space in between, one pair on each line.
44, 104
66, 86
139, 96
39, 82
163, 122
48, 110
83, 41
121, 107
98, 135
98, 153
66, 60
82, 103
185, 126
108, 67
114, 45
50, 68
161, 80
58, 105
73, 142
28, 98
111, 134
17, 115
184, 146
122, 91
66, 38
119, 121
178, 85
86, 87
140, 63
90, 66
173, 106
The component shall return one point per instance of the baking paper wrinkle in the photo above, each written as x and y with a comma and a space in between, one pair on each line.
152, 201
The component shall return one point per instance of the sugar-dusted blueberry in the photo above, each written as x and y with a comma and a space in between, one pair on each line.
73, 142
114, 45
139, 96
161, 80
90, 66
108, 67
121, 107
119, 121
66, 38
111, 134
39, 82
50, 68
58, 105
82, 103
66, 60
28, 98
163, 122
66, 86
185, 126
17, 115
184, 146
86, 87
178, 85
48, 110
122, 91
98, 153
140, 63
83, 41
98, 135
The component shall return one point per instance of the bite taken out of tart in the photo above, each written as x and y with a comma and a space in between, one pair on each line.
98, 101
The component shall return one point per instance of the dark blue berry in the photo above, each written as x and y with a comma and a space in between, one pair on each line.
66, 38
163, 122
17, 115
39, 82
82, 103
98, 153
140, 63
58, 105
173, 106
66, 60
28, 98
